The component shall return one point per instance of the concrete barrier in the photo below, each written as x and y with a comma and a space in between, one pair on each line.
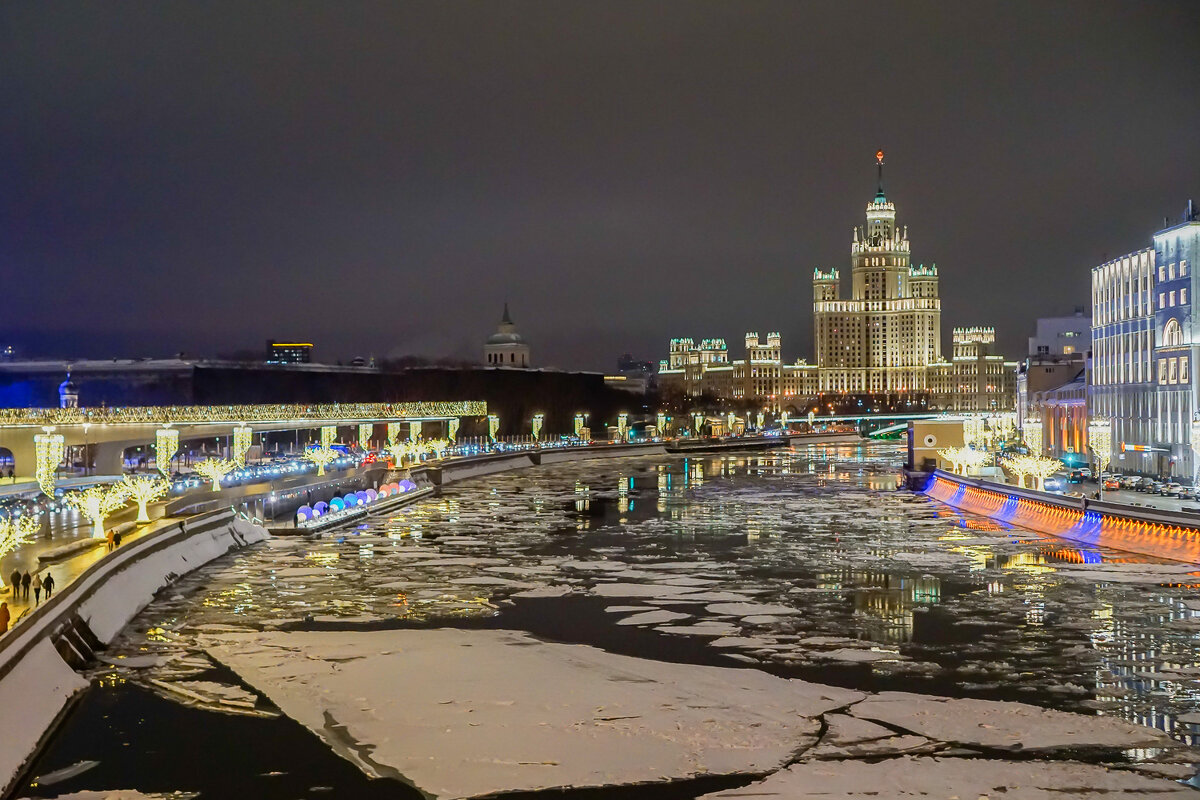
37, 681
1153, 532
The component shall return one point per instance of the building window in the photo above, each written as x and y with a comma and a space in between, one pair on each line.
1171, 298
1162, 272
1183, 369
1182, 268
1162, 371
1162, 300
1183, 297
1173, 371
1171, 271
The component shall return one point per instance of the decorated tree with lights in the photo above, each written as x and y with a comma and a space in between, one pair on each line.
215, 469
321, 456
1042, 468
144, 490
96, 503
401, 451
1020, 466
14, 533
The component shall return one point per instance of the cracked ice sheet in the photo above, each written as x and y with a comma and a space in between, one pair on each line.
469, 713
1003, 725
965, 778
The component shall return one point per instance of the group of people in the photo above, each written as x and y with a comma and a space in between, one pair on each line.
21, 583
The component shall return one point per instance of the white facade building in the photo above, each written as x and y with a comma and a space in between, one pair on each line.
1123, 385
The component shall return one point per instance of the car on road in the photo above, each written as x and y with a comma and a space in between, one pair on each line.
1086, 472
1111, 484
1154, 487
1171, 489
1130, 481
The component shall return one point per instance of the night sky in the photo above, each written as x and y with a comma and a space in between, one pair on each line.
379, 177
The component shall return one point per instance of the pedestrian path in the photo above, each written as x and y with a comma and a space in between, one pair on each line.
69, 568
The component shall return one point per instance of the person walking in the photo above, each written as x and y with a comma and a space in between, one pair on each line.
4, 617
116, 538
14, 580
12, 478
37, 589
25, 581
109, 537
49, 584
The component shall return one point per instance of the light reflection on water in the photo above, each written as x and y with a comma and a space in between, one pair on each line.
961, 604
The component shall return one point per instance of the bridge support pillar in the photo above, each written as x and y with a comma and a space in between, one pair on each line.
110, 458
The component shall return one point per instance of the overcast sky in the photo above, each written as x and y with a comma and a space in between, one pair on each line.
379, 177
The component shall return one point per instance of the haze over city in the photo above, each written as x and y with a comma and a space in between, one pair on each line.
380, 178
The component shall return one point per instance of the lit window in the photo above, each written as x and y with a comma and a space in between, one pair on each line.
1183, 369
1171, 271
1162, 300
1162, 272
1162, 371
1173, 372
1183, 269
1183, 297
1171, 298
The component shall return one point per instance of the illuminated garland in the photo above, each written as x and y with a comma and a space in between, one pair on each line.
761, 418
282, 412
731, 418
1100, 441
972, 430
452, 429
414, 431
166, 445
578, 425
493, 426
48, 449
1031, 432
698, 421
393, 432
661, 420
783, 419
328, 434
538, 419
623, 427
365, 429
243, 437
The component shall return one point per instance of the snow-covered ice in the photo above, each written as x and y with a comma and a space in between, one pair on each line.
468, 713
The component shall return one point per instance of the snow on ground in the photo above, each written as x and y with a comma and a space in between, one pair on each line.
468, 713
945, 778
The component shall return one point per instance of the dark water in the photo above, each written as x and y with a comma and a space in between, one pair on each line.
867, 588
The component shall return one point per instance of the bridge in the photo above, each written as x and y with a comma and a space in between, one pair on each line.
30, 434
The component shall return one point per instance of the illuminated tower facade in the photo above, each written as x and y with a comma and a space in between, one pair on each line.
887, 333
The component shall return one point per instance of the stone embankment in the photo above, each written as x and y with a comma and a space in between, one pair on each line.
38, 657
1152, 532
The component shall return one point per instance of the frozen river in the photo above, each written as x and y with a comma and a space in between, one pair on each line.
801, 565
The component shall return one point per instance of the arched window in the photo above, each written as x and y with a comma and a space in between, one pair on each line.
1172, 334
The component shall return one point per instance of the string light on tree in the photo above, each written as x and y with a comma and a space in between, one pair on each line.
166, 445
1100, 442
96, 503
144, 490
215, 469
14, 533
328, 435
48, 449
321, 456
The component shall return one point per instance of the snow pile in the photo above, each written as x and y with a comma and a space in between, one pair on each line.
953, 777
33, 692
467, 713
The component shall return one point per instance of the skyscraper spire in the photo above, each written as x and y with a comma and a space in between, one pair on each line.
879, 196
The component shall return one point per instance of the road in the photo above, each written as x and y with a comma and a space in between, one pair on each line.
1142, 499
